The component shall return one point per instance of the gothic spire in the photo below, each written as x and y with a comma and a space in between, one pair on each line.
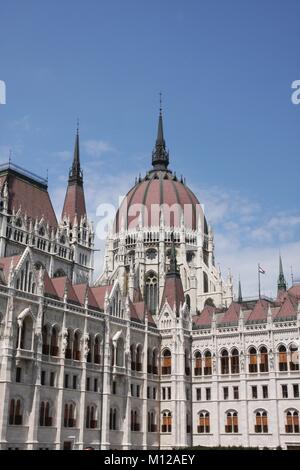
160, 155
75, 174
240, 297
281, 279
74, 205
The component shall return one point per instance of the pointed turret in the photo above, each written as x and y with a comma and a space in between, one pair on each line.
240, 297
160, 155
173, 290
74, 205
281, 284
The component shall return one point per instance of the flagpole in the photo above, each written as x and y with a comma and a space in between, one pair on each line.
258, 266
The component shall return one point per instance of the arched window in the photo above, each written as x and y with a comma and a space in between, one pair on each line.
204, 422
135, 423
231, 425
97, 350
166, 422
68, 353
69, 416
166, 362
198, 363
120, 353
90, 417
45, 416
205, 282
132, 356
187, 362
252, 360
45, 339
151, 292
235, 361
138, 358
113, 419
293, 357
26, 333
15, 412
261, 422
188, 301
264, 361
224, 362
292, 421
76, 346
282, 359
155, 362
54, 342
152, 427
207, 363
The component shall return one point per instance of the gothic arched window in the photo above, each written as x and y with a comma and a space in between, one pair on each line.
151, 292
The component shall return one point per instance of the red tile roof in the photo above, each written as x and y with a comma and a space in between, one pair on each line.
81, 291
288, 308
99, 294
260, 311
295, 290
6, 262
162, 191
60, 283
173, 292
74, 202
205, 317
32, 198
231, 315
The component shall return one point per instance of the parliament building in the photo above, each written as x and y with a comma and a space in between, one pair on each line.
156, 353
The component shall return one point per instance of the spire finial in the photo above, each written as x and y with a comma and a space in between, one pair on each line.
160, 103
77, 126
160, 155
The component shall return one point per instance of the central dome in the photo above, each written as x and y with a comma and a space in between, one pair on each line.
160, 197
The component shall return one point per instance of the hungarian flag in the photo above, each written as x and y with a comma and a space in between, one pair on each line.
261, 270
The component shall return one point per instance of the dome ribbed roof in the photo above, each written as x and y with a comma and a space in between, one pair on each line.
159, 192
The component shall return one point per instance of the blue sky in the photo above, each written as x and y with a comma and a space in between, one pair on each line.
225, 69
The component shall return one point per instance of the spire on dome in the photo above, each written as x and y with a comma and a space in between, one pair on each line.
160, 155
240, 296
281, 284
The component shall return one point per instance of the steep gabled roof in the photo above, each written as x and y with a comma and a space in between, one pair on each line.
288, 308
232, 314
49, 289
260, 311
205, 317
99, 294
62, 283
6, 262
173, 293
83, 290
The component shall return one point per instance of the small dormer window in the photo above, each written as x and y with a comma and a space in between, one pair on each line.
41, 231
19, 222
62, 240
